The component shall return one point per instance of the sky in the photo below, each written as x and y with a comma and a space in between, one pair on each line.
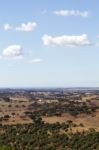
49, 43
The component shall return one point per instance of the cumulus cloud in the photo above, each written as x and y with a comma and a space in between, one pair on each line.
71, 13
36, 60
7, 27
27, 27
13, 51
65, 40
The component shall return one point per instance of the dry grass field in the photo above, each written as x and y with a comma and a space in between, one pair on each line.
18, 105
89, 121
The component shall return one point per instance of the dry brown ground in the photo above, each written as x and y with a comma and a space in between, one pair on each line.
16, 107
89, 121
20, 105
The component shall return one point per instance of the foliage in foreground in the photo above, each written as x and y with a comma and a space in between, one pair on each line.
44, 136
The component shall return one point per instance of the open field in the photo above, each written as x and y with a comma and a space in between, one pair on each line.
52, 106
89, 121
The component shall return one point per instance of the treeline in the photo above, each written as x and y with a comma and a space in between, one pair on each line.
51, 109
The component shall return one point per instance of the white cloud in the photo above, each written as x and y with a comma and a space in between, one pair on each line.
65, 40
27, 27
72, 13
13, 51
36, 60
7, 27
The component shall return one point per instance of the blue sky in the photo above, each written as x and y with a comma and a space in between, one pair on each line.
49, 43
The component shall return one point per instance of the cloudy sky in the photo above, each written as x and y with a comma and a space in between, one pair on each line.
49, 43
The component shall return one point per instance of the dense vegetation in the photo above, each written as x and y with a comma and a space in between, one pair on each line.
44, 136
72, 107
